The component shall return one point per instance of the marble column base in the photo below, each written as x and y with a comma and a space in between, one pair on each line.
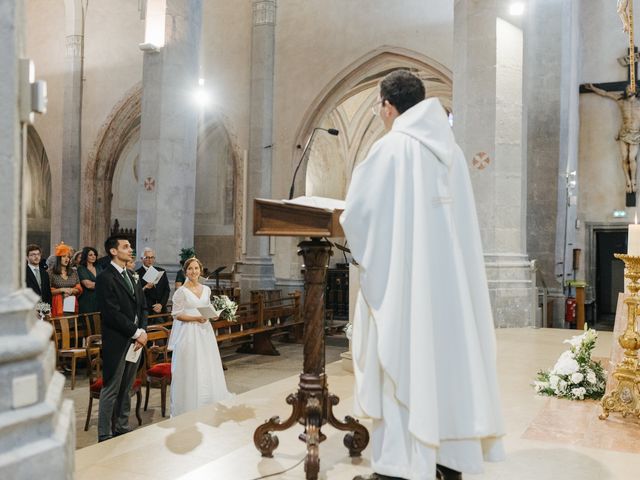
512, 291
254, 273
37, 426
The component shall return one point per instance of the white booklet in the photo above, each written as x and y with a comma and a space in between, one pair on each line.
209, 312
317, 202
69, 304
153, 275
133, 355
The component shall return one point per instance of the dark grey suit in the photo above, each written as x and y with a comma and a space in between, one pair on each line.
122, 313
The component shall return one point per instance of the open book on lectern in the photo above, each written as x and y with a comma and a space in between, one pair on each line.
317, 202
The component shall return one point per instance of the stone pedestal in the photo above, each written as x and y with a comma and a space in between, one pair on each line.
488, 123
37, 434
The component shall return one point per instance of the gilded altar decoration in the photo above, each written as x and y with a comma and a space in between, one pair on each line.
625, 398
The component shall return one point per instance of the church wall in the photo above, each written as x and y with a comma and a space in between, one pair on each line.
315, 41
45, 46
600, 177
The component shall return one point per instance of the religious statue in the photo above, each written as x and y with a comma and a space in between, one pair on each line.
623, 13
629, 136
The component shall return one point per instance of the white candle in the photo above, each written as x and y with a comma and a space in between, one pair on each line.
633, 240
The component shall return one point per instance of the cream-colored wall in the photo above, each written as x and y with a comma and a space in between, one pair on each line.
315, 41
113, 62
46, 47
601, 182
226, 61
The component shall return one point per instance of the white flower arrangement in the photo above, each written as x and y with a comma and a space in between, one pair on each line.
228, 307
43, 308
575, 375
348, 330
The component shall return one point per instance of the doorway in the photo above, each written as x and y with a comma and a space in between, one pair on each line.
609, 281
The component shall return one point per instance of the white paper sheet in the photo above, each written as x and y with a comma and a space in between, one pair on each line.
209, 312
133, 355
69, 304
153, 275
317, 202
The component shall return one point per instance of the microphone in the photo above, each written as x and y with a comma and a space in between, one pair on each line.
330, 131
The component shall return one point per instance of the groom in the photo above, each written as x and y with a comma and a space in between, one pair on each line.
124, 320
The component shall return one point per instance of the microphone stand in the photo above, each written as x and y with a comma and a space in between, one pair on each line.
332, 131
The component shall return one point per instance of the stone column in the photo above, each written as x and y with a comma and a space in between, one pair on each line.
66, 207
551, 98
37, 431
168, 137
256, 268
488, 123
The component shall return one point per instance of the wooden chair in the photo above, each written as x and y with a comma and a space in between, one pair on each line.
157, 364
94, 364
68, 334
92, 323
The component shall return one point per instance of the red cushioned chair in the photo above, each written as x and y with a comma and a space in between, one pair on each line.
158, 364
94, 365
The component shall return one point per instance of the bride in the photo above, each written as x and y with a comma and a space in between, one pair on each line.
196, 369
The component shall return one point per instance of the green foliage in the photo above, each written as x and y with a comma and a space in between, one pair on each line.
575, 375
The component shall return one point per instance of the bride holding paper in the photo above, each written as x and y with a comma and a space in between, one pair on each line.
197, 377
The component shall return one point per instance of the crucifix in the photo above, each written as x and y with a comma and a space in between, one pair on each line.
625, 95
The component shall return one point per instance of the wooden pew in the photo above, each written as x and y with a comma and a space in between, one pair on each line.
256, 324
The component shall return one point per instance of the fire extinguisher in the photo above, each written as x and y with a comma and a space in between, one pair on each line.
570, 310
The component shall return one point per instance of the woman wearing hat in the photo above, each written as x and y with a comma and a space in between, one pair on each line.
64, 281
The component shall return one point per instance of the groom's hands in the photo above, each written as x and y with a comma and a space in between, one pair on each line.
140, 341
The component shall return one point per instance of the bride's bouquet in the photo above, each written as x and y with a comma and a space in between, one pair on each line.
227, 306
43, 309
575, 375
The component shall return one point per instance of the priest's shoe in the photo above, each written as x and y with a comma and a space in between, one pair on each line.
446, 473
376, 476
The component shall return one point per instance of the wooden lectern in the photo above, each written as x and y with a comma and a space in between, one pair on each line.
312, 403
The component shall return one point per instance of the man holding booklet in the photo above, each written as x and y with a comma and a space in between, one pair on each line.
154, 283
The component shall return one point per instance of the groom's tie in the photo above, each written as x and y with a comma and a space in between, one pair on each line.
127, 280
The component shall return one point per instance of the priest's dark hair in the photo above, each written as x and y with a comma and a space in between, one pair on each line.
112, 242
402, 89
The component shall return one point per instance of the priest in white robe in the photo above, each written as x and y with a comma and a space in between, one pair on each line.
423, 337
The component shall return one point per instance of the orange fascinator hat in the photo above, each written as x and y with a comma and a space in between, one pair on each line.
62, 250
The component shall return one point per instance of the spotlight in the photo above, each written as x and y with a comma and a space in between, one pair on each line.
516, 8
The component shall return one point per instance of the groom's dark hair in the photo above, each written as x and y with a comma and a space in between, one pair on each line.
112, 242
402, 89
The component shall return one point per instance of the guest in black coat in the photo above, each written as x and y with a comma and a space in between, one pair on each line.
156, 295
37, 278
124, 320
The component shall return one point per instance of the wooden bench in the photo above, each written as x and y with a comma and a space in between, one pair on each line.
257, 322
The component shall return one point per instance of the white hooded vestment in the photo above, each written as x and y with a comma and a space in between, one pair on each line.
423, 334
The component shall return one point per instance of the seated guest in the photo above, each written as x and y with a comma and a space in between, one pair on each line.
37, 276
157, 295
64, 281
87, 273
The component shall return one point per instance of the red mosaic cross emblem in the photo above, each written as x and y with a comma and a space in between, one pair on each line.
149, 184
481, 160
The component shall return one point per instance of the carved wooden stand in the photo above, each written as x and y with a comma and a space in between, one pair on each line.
312, 403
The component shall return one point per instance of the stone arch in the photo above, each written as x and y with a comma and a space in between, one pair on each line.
345, 104
218, 170
120, 134
121, 127
37, 191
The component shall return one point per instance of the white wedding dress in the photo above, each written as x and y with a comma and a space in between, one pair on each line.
197, 377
